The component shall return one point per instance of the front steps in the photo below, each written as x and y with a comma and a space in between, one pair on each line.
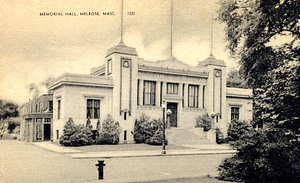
179, 136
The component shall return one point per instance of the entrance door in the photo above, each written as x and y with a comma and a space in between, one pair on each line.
47, 131
173, 116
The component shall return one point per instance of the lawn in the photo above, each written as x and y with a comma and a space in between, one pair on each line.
190, 180
126, 147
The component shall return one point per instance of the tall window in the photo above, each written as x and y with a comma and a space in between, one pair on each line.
50, 106
193, 95
58, 109
109, 67
39, 130
172, 88
138, 92
149, 92
182, 95
235, 113
93, 109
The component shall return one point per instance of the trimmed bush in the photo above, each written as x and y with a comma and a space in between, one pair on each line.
75, 135
237, 129
220, 137
110, 132
139, 132
148, 131
204, 121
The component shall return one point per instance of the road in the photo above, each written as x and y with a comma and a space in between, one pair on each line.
24, 162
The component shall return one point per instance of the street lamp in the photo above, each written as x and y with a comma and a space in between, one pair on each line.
164, 128
169, 112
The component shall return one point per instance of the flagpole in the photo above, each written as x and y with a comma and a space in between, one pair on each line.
171, 47
122, 22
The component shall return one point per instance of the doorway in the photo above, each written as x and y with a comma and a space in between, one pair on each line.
173, 116
47, 132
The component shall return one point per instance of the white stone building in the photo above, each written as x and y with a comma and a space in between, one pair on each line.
127, 86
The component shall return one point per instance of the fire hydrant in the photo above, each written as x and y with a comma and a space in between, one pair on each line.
100, 166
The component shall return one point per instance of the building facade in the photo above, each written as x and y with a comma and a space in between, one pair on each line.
36, 119
127, 86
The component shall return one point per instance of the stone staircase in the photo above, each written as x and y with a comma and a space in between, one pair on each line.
179, 136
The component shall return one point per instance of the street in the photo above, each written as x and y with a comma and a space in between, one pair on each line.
24, 162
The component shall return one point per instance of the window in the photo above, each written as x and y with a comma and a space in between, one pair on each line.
57, 134
149, 93
38, 130
47, 120
183, 95
235, 113
58, 109
172, 88
51, 106
138, 92
203, 94
93, 109
193, 95
109, 67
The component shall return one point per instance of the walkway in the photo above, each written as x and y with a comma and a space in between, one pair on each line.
203, 149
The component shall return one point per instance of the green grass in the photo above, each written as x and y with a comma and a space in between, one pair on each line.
126, 147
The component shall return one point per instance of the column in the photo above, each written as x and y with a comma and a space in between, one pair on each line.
186, 95
157, 94
164, 89
180, 91
200, 96
141, 92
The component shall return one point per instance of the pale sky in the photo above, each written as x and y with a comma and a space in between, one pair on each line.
34, 47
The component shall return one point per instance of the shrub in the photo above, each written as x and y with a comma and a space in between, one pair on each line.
139, 132
260, 159
204, 121
75, 135
89, 123
220, 137
236, 129
155, 135
110, 132
148, 131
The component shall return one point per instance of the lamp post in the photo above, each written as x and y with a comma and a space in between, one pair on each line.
169, 112
164, 129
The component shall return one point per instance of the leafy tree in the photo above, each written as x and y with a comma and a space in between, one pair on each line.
252, 29
235, 79
204, 121
110, 132
7, 110
48, 82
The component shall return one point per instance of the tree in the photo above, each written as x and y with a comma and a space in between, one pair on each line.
7, 110
235, 79
110, 132
48, 82
75, 135
253, 29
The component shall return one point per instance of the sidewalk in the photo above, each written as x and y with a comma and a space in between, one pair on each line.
204, 149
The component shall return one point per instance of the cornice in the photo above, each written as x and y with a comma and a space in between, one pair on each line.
183, 72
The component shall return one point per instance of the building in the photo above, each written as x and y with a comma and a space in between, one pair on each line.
36, 119
127, 86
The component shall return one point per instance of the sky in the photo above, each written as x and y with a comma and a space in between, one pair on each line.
35, 47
